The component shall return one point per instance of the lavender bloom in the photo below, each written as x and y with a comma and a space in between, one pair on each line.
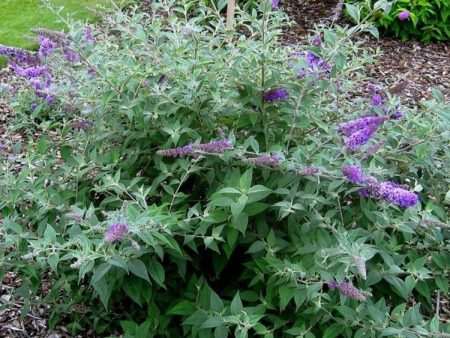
46, 46
266, 160
371, 87
377, 100
347, 289
317, 41
2, 146
87, 35
360, 264
33, 106
389, 191
59, 38
348, 128
360, 138
337, 11
353, 173
214, 146
275, 4
278, 94
308, 171
50, 99
18, 55
82, 125
302, 73
176, 152
403, 15
31, 72
397, 116
116, 232
402, 197
71, 56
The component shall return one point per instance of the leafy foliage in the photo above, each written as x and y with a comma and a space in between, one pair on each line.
264, 237
428, 19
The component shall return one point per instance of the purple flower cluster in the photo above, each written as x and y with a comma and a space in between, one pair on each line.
277, 94
317, 41
18, 55
308, 171
389, 191
82, 125
347, 289
70, 55
377, 100
46, 46
116, 232
353, 173
316, 65
360, 131
176, 152
265, 160
214, 146
87, 35
275, 4
404, 15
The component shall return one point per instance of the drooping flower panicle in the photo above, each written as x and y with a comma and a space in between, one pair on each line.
265, 160
116, 232
347, 289
277, 94
353, 173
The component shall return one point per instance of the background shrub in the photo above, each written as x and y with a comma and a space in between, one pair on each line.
428, 19
192, 182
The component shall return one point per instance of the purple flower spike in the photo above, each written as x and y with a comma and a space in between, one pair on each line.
214, 146
397, 116
46, 46
377, 100
403, 15
116, 232
317, 41
348, 128
278, 94
176, 152
87, 35
308, 171
353, 173
360, 138
402, 197
71, 56
275, 4
349, 290
33, 106
266, 160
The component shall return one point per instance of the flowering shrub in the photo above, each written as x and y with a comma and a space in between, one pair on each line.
425, 20
201, 183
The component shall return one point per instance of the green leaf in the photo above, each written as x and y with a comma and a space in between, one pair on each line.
183, 308
138, 268
246, 179
212, 322
354, 12
256, 247
156, 270
100, 272
104, 291
333, 330
236, 305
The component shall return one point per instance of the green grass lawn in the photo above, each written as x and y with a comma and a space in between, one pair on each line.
18, 17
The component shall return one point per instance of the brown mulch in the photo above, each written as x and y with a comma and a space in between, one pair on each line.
420, 66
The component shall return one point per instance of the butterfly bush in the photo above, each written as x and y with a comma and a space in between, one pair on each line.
249, 197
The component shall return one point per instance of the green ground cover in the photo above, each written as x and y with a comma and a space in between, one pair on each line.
18, 17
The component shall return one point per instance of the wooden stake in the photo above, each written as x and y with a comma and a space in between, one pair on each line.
230, 14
